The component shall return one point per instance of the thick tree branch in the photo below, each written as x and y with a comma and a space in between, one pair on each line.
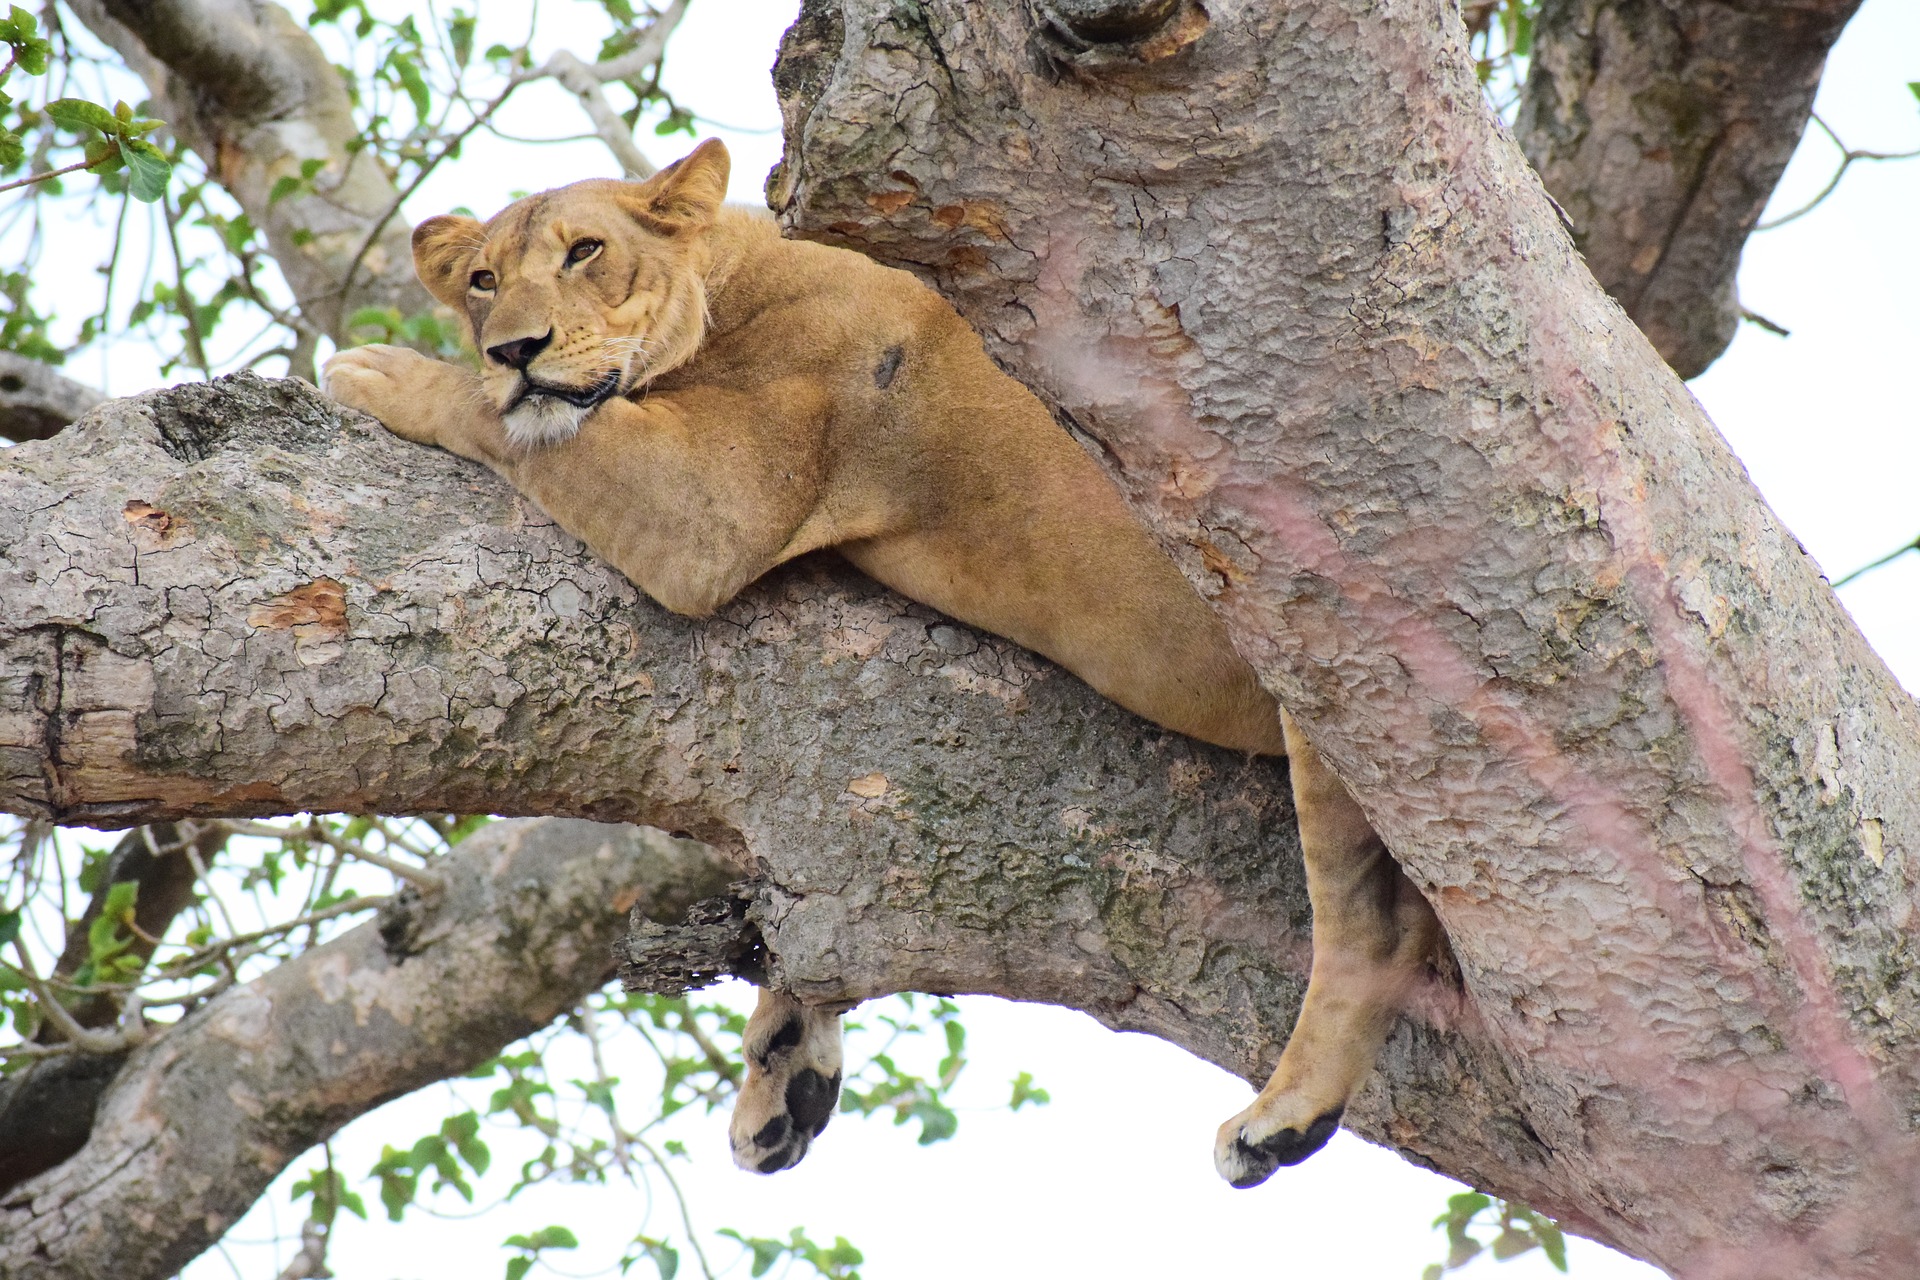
36, 401
1661, 127
200, 1120
280, 611
1283, 263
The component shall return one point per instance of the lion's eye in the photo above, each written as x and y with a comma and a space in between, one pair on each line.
482, 281
581, 251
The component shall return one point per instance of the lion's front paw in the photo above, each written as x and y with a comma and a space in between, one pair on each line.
792, 1086
393, 384
1260, 1139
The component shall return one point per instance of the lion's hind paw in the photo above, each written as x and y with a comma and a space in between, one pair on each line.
1247, 1150
792, 1085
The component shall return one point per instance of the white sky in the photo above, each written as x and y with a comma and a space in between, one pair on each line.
1115, 1178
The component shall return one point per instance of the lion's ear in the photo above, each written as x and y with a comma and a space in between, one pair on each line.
442, 248
687, 193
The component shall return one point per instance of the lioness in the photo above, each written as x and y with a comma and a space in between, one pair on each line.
701, 400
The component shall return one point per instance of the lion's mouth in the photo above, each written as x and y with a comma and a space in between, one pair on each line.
580, 397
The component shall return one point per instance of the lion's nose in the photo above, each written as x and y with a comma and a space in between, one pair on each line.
519, 353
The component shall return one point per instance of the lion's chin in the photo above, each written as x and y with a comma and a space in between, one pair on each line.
543, 420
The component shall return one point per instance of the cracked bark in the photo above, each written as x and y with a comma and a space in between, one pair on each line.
200, 1120
1662, 126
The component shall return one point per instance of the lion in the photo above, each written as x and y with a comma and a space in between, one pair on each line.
700, 400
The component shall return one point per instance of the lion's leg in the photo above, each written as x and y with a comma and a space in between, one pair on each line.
1372, 932
792, 1085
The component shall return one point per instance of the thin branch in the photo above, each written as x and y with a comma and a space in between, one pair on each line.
686, 1216
425, 880
56, 1013
1847, 156
183, 299
1886, 559
585, 80
32, 178
183, 966
586, 84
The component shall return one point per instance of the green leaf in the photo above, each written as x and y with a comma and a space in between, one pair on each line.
544, 1238
283, 186
1553, 1243
148, 169
9, 926
1024, 1093
414, 83
1464, 1206
121, 896
1914, 85
460, 35
78, 114
518, 1267
665, 1257
1511, 1244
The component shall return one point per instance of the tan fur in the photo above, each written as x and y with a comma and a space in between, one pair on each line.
748, 399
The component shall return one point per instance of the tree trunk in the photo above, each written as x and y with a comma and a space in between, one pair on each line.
1286, 270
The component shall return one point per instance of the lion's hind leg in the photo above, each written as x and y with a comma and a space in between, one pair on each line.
1372, 934
792, 1085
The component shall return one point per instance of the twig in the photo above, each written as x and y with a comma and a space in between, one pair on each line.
50, 173
183, 300
426, 880
686, 1218
1888, 558
1847, 156
585, 81
182, 966
725, 1067
80, 1037
622, 1140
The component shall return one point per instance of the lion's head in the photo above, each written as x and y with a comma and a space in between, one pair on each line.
582, 293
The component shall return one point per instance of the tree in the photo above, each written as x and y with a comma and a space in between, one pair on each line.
1288, 272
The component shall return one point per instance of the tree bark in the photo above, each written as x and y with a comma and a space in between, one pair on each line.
203, 1117
1661, 127
1287, 268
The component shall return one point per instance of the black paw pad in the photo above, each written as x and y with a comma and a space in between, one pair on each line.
1288, 1146
786, 1156
810, 1099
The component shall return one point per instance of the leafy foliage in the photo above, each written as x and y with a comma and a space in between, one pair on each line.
1519, 1230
